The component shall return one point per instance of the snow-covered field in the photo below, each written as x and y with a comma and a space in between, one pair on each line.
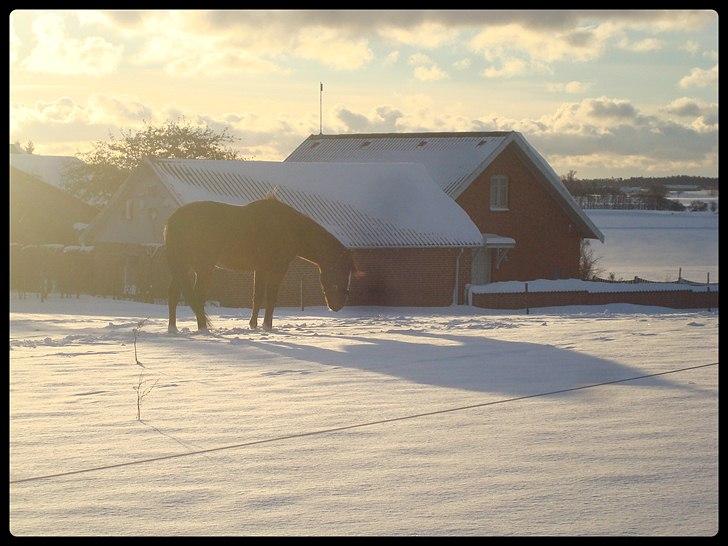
654, 244
630, 458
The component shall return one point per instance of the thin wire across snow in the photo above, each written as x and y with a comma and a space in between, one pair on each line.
348, 427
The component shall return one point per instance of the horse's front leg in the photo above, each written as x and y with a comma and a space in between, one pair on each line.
259, 285
271, 295
173, 295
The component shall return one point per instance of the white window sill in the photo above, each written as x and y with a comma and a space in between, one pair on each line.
499, 209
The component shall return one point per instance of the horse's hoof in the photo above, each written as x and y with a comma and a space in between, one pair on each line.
267, 327
172, 330
253, 325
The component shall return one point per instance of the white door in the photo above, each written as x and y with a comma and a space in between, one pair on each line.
480, 273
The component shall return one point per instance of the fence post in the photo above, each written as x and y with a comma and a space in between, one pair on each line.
679, 274
526, 299
710, 310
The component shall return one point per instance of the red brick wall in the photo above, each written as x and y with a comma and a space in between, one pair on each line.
399, 277
547, 243
404, 277
677, 299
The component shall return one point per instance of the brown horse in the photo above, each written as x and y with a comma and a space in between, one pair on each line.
263, 237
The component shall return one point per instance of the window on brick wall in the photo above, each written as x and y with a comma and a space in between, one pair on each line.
499, 192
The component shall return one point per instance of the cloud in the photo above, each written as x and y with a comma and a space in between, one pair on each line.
391, 58
509, 68
647, 44
691, 46
425, 68
572, 87
429, 73
462, 64
383, 119
15, 42
417, 59
428, 35
57, 52
434, 21
65, 126
700, 78
704, 116
64, 119
516, 40
684, 106
331, 48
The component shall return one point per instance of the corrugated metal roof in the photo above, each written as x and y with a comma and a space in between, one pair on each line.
450, 159
362, 205
453, 160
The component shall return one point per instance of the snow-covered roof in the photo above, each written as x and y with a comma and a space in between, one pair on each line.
362, 205
51, 169
450, 158
453, 160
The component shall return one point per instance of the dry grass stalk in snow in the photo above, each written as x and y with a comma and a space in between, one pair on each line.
139, 387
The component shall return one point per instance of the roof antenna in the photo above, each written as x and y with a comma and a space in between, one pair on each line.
321, 114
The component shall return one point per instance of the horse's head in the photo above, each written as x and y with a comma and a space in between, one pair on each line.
336, 280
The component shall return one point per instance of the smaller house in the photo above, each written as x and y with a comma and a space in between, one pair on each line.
406, 234
51, 169
44, 221
43, 213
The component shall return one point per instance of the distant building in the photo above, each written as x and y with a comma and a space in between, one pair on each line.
681, 187
632, 190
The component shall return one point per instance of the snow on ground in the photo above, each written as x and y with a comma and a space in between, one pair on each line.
633, 458
654, 244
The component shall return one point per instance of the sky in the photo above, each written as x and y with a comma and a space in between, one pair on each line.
604, 93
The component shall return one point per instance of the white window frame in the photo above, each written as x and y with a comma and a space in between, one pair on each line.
499, 192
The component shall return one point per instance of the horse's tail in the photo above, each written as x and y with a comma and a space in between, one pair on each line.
180, 272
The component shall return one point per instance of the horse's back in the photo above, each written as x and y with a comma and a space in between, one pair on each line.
235, 237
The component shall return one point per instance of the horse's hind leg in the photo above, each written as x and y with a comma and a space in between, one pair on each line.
204, 274
173, 295
259, 285
271, 295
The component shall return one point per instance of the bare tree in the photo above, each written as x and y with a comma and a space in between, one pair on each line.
110, 162
588, 262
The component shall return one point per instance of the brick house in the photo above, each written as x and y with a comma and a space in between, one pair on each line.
532, 227
407, 236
